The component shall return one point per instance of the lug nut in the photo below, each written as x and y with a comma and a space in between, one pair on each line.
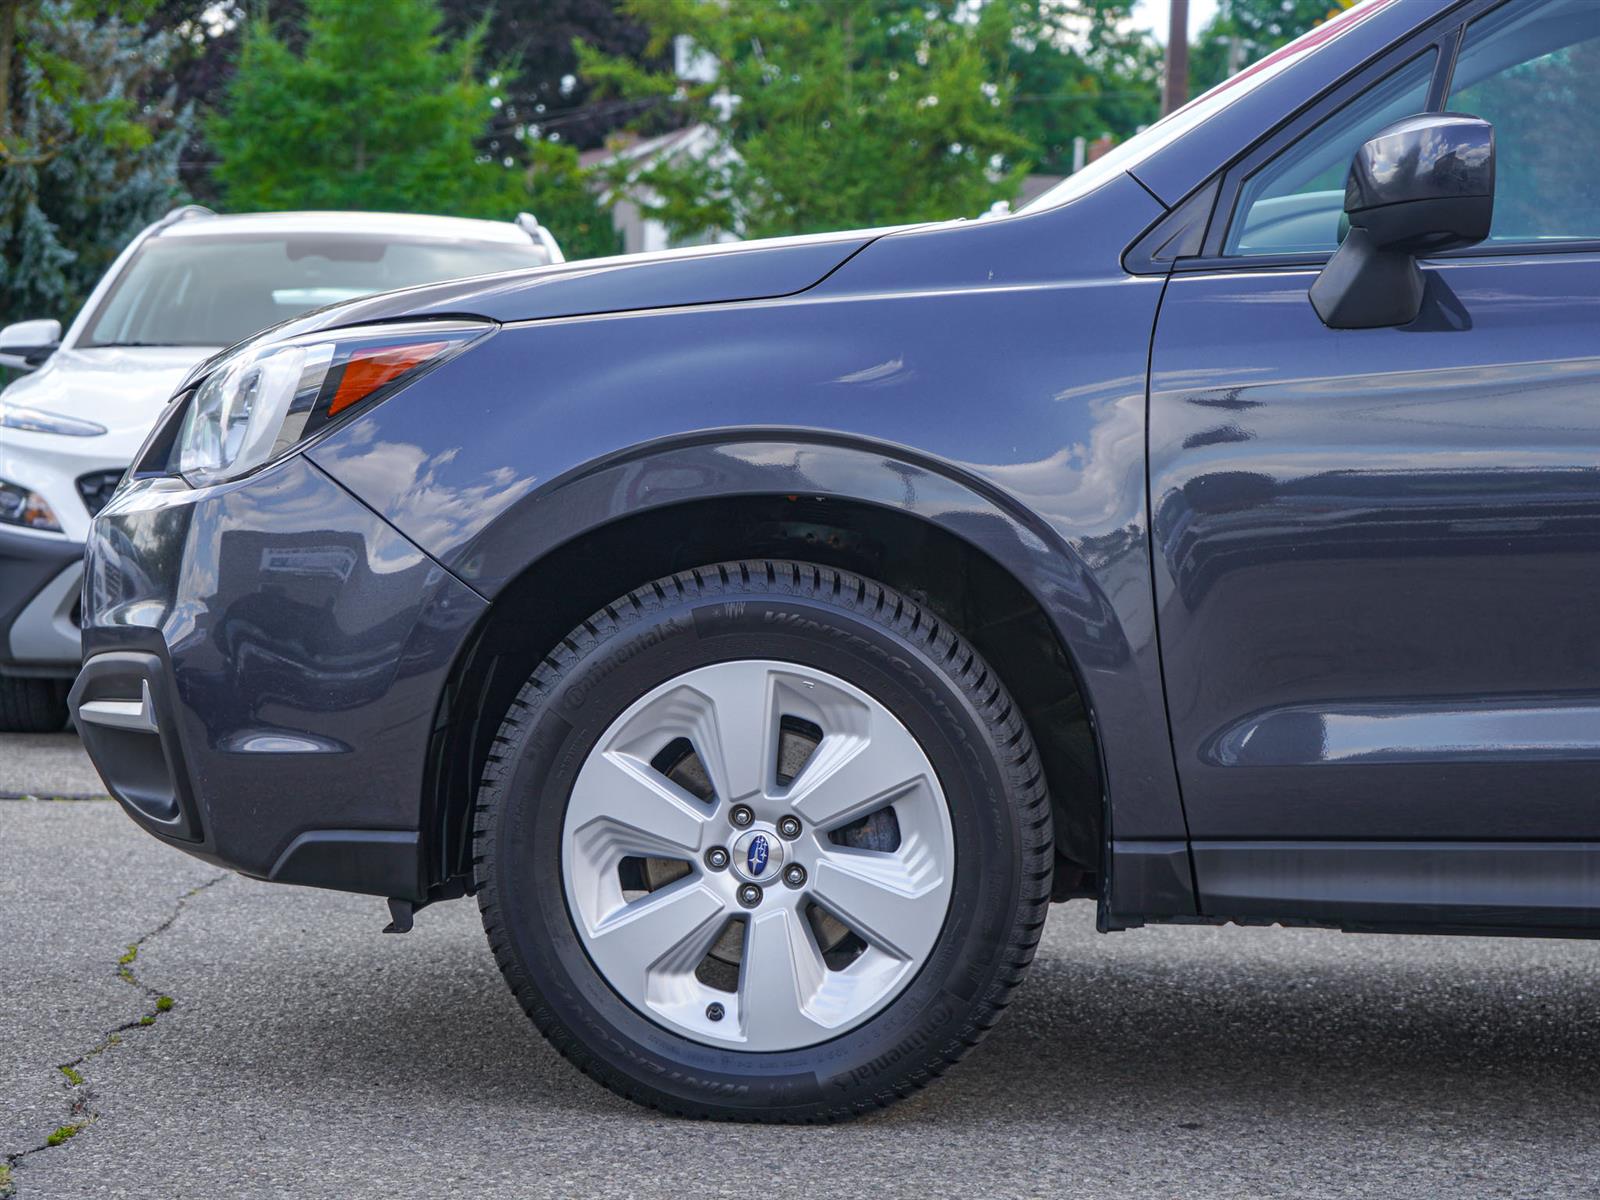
741, 815
794, 875
750, 895
714, 1012
789, 827
716, 858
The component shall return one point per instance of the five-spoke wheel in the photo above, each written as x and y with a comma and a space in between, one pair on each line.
758, 853
763, 840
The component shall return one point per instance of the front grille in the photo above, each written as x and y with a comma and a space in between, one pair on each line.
96, 488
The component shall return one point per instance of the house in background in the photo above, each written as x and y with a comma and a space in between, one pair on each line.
640, 231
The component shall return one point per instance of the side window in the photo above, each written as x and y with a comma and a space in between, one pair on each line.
1531, 70
1292, 205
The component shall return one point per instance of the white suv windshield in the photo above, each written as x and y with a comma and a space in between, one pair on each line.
214, 291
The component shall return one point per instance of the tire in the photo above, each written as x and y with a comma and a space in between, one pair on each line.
32, 705
849, 646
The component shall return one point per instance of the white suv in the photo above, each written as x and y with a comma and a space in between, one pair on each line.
188, 286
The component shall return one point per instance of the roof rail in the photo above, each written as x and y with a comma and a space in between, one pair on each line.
183, 213
529, 224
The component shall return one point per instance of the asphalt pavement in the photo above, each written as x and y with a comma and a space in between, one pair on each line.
305, 1054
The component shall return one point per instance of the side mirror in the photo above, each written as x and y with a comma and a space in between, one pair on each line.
26, 344
1418, 187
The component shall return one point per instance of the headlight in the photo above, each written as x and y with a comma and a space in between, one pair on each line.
19, 506
264, 399
36, 420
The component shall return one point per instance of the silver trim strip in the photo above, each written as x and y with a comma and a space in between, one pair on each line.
137, 716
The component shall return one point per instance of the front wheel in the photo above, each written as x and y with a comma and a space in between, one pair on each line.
763, 841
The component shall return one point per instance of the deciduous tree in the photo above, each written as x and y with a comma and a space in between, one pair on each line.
1243, 31
561, 196
823, 114
1082, 69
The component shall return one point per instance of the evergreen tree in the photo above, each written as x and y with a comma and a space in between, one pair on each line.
377, 111
530, 39
822, 114
89, 145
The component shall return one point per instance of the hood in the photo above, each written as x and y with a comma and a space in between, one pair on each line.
120, 387
718, 274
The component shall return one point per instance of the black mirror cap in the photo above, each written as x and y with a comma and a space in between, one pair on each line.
1421, 186
1425, 184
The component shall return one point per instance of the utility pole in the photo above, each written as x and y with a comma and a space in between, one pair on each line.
1235, 54
1176, 92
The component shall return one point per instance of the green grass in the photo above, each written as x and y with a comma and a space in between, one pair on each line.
62, 1134
74, 1076
164, 1004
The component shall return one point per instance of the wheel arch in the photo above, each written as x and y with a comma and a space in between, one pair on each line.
994, 570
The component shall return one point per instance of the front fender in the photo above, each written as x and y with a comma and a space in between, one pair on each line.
1110, 659
992, 391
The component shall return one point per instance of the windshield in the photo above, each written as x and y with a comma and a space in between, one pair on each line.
1198, 111
215, 291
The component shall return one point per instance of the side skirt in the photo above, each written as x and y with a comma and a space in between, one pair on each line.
1529, 888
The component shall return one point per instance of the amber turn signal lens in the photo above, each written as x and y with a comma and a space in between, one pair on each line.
371, 367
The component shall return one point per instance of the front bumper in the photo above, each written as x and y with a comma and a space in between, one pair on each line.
39, 581
262, 665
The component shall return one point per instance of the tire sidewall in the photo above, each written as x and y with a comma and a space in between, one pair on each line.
930, 1019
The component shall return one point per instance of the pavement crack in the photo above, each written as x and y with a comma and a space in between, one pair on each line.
74, 1072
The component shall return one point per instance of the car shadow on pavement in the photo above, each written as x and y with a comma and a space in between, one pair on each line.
1238, 1028
1177, 1028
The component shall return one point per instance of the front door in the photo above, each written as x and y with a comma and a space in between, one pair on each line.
1377, 552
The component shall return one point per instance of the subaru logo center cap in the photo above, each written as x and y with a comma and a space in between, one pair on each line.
758, 856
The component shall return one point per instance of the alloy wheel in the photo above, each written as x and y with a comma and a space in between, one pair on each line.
757, 854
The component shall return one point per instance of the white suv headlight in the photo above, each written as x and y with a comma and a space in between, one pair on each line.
21, 506
264, 399
37, 420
